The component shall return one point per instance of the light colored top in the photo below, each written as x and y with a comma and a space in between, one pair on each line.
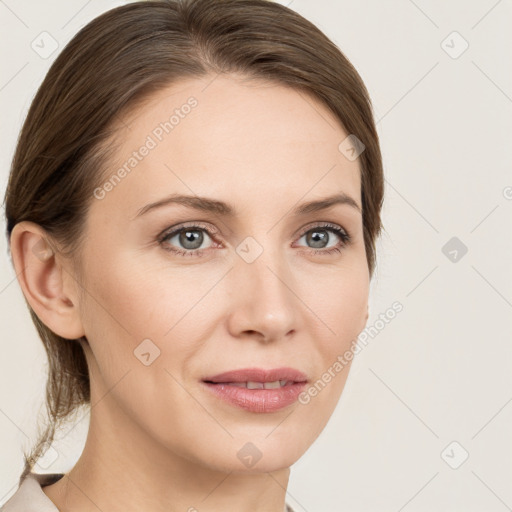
30, 496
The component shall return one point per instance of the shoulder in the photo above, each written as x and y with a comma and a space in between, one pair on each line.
29, 497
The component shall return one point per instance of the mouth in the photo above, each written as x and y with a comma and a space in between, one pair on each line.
258, 390
273, 376
256, 385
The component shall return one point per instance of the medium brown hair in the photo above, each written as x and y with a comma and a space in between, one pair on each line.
116, 61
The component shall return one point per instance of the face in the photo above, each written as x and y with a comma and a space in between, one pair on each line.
176, 294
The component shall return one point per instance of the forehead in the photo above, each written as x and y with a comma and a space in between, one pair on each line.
231, 138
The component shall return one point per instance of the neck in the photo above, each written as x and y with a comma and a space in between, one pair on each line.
123, 468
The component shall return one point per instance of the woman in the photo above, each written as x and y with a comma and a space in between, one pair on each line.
192, 213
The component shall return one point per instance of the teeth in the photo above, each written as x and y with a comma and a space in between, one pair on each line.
259, 385
255, 385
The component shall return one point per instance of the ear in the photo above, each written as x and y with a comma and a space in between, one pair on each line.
46, 283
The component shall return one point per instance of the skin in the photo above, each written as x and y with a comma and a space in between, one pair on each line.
157, 441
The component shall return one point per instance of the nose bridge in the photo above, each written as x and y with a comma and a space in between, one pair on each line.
264, 299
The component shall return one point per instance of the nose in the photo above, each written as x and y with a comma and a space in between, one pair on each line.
264, 304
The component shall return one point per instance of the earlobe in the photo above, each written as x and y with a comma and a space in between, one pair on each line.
41, 275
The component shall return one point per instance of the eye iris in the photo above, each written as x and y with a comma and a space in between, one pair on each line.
317, 236
193, 236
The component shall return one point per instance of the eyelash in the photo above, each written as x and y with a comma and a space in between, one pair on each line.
342, 233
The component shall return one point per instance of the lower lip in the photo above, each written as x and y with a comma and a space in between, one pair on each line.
258, 400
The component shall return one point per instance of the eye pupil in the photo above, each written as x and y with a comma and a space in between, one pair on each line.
318, 236
191, 236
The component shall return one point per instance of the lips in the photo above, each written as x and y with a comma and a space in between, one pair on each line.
257, 390
259, 376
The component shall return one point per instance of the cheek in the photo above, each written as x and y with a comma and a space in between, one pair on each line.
341, 308
133, 298
340, 302
129, 304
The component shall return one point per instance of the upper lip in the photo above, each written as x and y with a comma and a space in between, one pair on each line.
259, 375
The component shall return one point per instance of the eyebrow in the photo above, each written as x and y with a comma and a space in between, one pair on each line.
221, 208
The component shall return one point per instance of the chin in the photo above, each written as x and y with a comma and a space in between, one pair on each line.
261, 453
